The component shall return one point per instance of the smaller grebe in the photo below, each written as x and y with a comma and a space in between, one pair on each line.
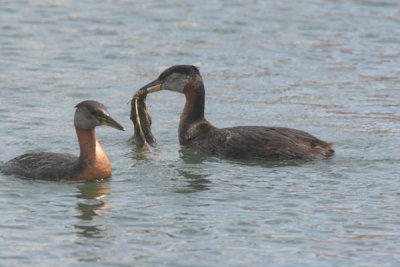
258, 142
92, 163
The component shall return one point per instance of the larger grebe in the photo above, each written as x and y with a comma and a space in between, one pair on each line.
271, 143
90, 165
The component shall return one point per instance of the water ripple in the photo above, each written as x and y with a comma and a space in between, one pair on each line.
327, 67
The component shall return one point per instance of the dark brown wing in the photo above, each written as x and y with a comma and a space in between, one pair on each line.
44, 166
272, 143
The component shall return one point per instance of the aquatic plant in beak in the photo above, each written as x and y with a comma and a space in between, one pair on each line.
141, 120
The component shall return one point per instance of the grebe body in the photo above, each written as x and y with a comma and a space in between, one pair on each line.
258, 142
92, 163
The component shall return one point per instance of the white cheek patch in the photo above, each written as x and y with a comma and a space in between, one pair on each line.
176, 82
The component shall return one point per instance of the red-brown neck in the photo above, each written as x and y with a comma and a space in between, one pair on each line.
96, 163
194, 106
87, 143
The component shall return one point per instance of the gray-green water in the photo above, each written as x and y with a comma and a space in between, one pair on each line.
331, 68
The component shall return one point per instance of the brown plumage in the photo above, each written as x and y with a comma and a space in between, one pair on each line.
258, 142
90, 165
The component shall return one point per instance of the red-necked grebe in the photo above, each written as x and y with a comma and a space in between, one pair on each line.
92, 163
258, 142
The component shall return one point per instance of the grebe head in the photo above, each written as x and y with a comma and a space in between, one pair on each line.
174, 78
90, 114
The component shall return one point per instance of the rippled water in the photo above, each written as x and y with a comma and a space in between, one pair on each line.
329, 67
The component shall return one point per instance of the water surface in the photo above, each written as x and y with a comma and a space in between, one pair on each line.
331, 68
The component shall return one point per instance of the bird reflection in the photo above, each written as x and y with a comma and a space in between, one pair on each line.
141, 154
192, 156
91, 205
196, 181
138, 156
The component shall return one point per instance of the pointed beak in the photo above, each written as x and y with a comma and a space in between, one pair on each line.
108, 121
152, 87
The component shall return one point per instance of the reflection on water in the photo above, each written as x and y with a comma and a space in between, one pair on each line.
195, 175
330, 68
192, 156
140, 153
90, 206
196, 182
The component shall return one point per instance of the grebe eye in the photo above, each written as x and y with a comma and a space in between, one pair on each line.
97, 113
